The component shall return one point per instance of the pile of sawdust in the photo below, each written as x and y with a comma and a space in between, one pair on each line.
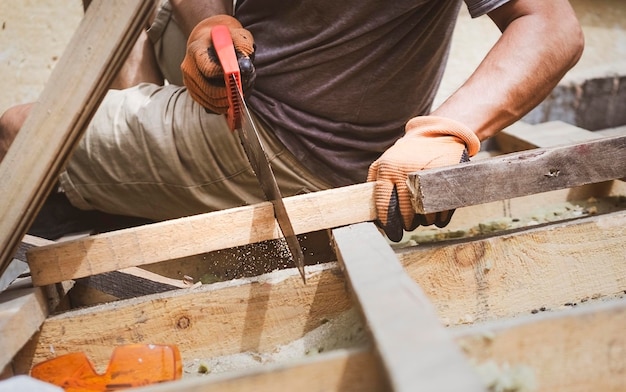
344, 331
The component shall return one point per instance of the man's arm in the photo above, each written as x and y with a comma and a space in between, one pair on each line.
189, 13
541, 40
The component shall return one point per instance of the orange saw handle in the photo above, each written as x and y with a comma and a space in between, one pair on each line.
225, 50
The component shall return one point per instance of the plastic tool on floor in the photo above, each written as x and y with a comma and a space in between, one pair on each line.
239, 119
130, 366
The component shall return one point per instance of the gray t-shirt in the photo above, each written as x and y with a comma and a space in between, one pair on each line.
338, 80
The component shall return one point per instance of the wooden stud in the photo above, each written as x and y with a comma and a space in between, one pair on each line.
416, 351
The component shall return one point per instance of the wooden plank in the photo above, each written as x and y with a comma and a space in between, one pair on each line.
518, 174
198, 234
416, 351
521, 136
77, 84
21, 314
523, 270
581, 349
256, 314
342, 370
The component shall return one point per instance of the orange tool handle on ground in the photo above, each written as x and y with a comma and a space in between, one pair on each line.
130, 366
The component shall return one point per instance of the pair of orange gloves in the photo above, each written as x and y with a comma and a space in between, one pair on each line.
429, 141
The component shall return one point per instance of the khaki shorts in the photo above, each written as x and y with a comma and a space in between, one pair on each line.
152, 151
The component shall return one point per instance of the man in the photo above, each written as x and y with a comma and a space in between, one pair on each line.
342, 92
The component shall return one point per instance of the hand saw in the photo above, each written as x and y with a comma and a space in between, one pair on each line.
239, 118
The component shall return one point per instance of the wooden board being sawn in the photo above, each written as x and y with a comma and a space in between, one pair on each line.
473, 183
77, 84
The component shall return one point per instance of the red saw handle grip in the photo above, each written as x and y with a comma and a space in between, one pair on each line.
225, 50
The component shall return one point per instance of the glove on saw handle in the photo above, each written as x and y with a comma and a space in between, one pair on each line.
202, 73
429, 142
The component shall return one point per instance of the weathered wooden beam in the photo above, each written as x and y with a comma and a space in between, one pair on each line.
579, 349
518, 174
416, 351
198, 234
77, 85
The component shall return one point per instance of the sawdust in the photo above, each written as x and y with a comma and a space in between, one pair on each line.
344, 331
506, 378
541, 215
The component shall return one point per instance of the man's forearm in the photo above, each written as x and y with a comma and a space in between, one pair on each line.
189, 13
532, 55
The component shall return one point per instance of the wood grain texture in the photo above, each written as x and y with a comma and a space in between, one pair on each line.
21, 314
578, 350
513, 273
342, 370
255, 314
198, 234
77, 85
416, 351
518, 174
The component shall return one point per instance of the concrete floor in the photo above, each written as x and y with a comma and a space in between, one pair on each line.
34, 33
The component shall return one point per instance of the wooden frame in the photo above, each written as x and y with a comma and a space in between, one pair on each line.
539, 275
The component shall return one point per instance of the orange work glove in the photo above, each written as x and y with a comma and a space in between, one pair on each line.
202, 73
429, 142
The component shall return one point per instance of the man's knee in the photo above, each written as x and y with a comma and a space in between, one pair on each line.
10, 123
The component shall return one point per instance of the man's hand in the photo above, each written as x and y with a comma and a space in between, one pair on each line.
429, 142
202, 73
